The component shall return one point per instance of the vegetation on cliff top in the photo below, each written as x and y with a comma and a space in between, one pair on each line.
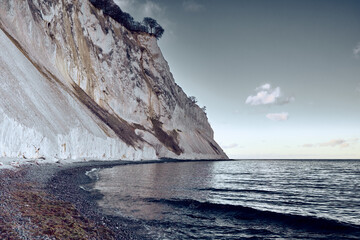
148, 25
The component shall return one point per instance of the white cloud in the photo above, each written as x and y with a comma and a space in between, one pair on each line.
267, 95
233, 145
192, 6
308, 145
356, 50
334, 143
278, 116
266, 86
264, 97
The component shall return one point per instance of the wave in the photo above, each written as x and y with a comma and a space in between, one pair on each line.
93, 174
238, 190
249, 214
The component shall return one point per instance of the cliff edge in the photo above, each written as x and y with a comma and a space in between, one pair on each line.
75, 84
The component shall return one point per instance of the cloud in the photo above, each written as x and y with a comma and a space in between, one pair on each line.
278, 116
284, 101
334, 143
264, 96
266, 86
192, 6
267, 95
356, 50
308, 145
233, 145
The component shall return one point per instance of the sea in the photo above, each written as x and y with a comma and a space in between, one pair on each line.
244, 199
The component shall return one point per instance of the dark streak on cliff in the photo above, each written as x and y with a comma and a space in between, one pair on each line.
169, 140
214, 147
123, 129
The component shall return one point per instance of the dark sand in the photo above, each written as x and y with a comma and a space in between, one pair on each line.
46, 202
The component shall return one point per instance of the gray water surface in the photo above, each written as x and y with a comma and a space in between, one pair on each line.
237, 199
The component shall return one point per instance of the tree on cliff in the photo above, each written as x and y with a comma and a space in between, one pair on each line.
193, 99
153, 27
150, 23
159, 31
111, 9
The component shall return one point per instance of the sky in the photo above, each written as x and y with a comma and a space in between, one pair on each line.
279, 78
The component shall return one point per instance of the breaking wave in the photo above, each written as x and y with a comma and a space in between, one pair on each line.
248, 213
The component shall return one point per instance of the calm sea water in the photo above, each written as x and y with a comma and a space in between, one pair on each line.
255, 199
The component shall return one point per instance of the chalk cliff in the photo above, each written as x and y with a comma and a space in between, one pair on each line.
75, 83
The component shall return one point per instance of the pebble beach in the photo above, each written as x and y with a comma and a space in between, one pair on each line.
45, 202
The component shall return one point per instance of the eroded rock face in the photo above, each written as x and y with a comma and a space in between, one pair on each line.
76, 83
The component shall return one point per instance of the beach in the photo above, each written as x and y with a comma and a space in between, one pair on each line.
45, 202
171, 199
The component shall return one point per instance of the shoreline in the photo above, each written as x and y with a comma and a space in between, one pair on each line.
68, 184
28, 210
47, 200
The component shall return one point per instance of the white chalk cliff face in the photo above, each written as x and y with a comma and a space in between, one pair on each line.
77, 84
